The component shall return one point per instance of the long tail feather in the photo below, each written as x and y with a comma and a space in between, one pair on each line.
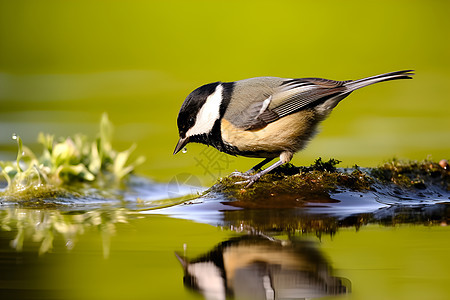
357, 84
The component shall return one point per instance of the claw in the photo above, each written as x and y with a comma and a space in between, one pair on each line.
251, 182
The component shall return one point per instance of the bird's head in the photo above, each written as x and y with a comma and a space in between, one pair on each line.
198, 114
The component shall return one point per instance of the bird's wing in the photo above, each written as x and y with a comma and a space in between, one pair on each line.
297, 94
274, 99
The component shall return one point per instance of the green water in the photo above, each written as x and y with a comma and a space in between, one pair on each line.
64, 63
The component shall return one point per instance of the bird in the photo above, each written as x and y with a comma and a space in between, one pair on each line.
264, 117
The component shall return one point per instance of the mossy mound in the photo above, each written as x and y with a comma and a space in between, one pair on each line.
290, 186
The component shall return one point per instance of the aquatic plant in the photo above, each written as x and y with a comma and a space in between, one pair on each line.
63, 161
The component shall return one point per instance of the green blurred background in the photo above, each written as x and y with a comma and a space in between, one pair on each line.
63, 63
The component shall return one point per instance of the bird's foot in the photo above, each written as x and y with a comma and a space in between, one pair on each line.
249, 180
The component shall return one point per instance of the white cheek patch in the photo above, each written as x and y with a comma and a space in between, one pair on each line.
208, 114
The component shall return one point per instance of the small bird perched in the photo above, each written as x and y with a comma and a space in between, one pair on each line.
265, 117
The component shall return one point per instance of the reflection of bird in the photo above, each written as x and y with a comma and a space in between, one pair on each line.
254, 267
264, 117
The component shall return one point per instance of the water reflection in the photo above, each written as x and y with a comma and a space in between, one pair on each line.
42, 227
295, 221
258, 267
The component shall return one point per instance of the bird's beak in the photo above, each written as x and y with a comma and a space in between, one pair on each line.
180, 145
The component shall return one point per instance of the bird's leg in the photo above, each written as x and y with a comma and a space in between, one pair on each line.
285, 157
259, 166
253, 169
251, 179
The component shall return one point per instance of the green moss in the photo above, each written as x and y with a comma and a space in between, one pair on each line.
416, 174
38, 196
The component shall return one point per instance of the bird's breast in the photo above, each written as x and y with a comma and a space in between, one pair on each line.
290, 133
